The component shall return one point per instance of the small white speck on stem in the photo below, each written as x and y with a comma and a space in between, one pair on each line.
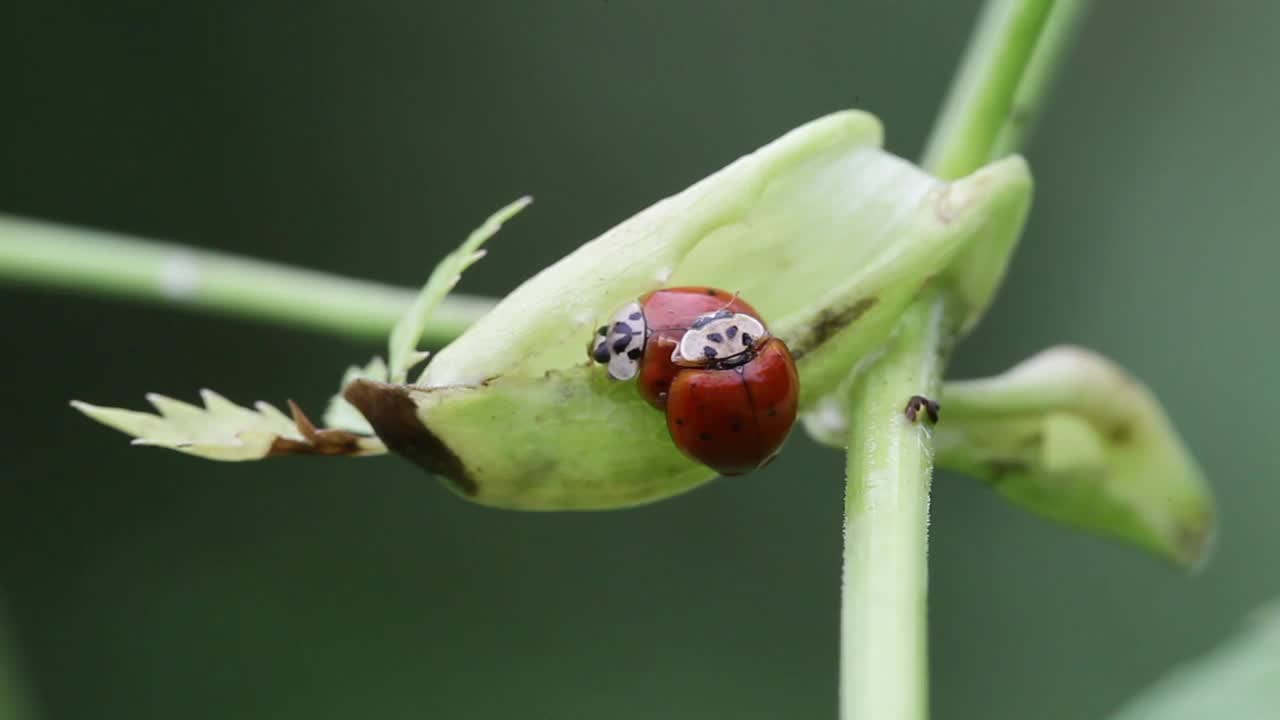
179, 276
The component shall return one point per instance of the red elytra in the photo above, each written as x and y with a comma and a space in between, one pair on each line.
732, 414
668, 314
735, 420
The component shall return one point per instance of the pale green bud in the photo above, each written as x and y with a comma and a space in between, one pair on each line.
826, 234
1070, 436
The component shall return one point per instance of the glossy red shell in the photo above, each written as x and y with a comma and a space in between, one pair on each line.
730, 411
735, 420
668, 313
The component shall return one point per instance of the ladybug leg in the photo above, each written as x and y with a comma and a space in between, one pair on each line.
919, 402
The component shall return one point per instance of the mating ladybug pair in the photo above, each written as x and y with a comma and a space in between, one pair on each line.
729, 388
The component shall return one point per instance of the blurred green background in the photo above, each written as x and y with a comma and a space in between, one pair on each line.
368, 139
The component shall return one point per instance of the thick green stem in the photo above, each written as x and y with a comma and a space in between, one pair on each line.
884, 670
884, 666
73, 258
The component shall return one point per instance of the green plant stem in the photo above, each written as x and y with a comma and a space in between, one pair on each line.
65, 257
981, 96
1056, 39
884, 668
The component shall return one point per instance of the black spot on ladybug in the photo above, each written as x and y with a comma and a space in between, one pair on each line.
634, 353
747, 339
708, 351
635, 316
772, 412
679, 421
601, 353
715, 337
602, 330
621, 327
731, 331
621, 343
704, 437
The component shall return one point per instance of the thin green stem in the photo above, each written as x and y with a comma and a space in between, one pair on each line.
65, 257
1015, 49
981, 96
884, 664
884, 673
1056, 40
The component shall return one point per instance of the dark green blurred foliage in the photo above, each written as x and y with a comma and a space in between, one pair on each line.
369, 139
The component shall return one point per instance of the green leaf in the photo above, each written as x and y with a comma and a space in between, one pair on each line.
222, 430
409, 329
1239, 680
1072, 437
403, 345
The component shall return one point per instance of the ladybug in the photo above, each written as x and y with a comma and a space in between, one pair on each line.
702, 355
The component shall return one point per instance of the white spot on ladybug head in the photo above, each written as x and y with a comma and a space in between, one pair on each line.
620, 344
718, 336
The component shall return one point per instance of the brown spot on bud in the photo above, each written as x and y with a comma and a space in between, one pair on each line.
394, 417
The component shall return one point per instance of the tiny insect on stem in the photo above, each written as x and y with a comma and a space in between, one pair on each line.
919, 402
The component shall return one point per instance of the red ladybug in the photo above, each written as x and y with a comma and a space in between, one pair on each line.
729, 389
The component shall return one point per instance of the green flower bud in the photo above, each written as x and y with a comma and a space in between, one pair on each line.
826, 234
1072, 437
